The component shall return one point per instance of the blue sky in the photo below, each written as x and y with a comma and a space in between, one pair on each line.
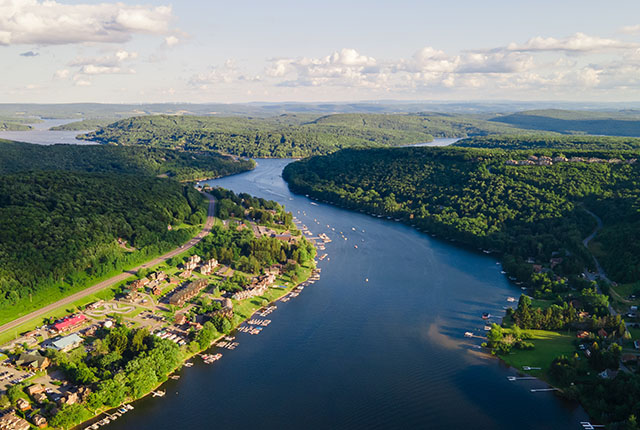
212, 51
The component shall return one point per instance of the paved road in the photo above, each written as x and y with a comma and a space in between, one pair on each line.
121, 277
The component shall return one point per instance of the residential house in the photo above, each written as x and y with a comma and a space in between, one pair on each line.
191, 263
40, 398
11, 421
23, 405
139, 283
603, 333
35, 389
582, 334
40, 421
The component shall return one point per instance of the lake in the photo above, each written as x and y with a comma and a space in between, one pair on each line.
378, 342
41, 134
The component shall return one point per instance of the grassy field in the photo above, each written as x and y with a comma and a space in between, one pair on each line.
106, 294
548, 345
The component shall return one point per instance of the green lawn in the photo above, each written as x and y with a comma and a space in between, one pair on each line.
548, 345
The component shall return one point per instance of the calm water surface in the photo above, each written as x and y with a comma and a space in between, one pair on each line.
41, 134
347, 353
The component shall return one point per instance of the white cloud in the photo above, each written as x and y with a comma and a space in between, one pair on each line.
631, 29
578, 42
62, 74
171, 41
48, 22
108, 64
92, 69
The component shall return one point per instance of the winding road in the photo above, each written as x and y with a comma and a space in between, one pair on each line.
599, 270
118, 278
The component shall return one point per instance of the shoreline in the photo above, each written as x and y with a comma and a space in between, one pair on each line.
101, 415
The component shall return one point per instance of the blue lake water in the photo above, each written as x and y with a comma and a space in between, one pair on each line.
349, 353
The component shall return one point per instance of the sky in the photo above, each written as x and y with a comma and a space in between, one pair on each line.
60, 51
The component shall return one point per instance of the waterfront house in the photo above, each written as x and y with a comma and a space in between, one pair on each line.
11, 421
33, 360
67, 343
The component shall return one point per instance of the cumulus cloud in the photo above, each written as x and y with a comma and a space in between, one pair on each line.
344, 66
107, 64
578, 42
48, 22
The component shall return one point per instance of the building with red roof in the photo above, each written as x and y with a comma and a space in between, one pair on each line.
69, 323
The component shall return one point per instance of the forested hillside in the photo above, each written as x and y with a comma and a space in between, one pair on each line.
541, 141
473, 196
19, 157
289, 135
60, 229
576, 122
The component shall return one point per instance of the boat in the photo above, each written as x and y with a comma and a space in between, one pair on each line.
159, 393
188, 364
355, 246
468, 334
486, 316
511, 299
487, 328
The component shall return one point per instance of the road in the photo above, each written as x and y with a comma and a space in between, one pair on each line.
121, 277
599, 270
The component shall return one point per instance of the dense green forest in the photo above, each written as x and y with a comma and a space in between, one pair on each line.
289, 135
59, 230
19, 157
85, 124
472, 196
541, 141
534, 215
625, 123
